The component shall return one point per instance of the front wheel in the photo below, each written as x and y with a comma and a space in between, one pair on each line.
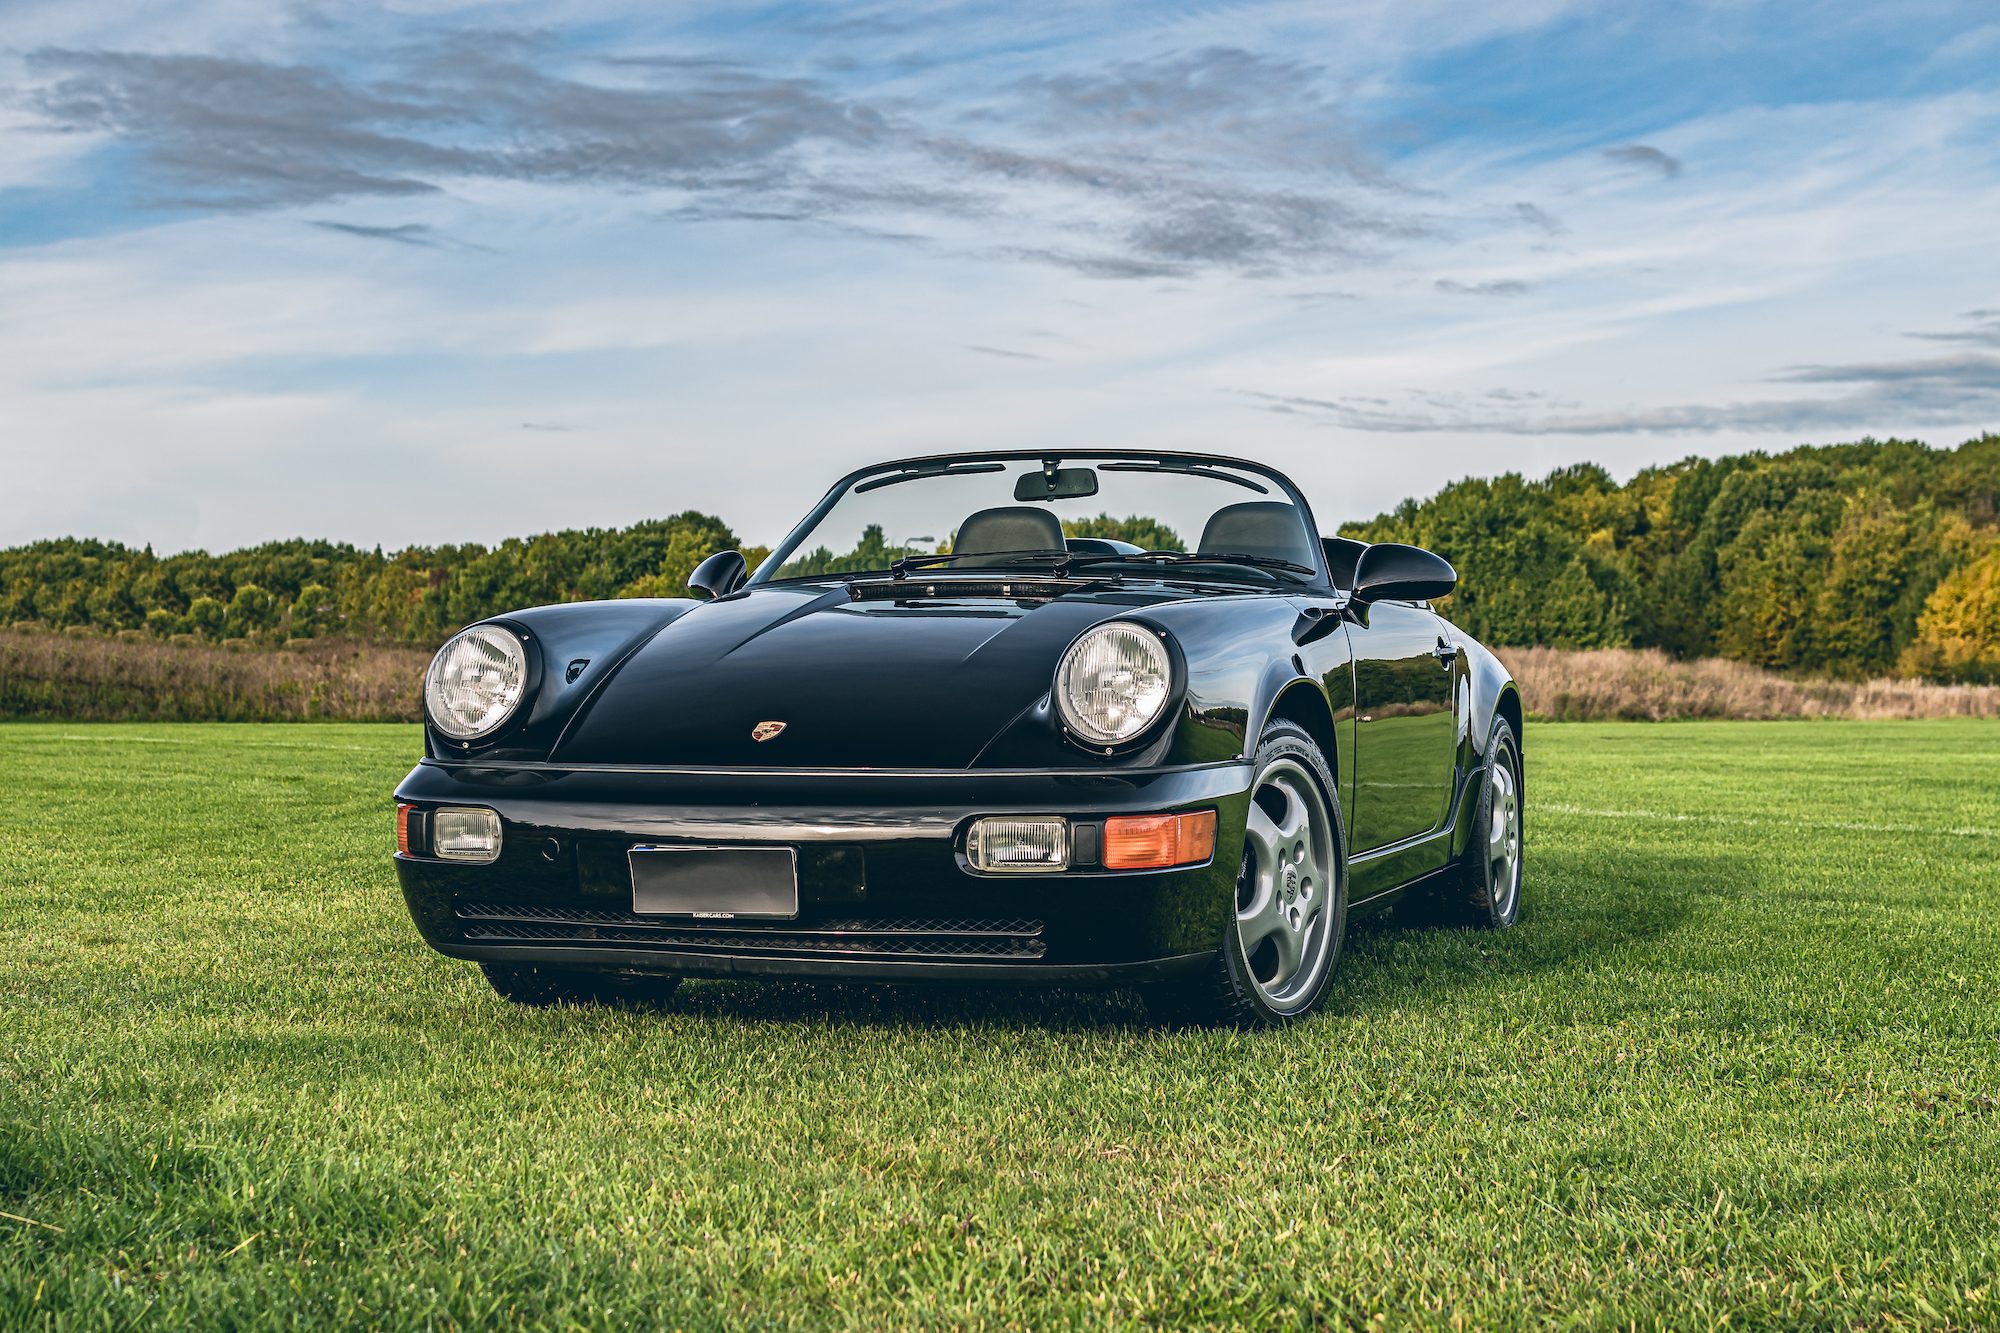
1277, 956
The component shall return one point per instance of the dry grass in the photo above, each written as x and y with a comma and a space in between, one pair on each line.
117, 680
51, 676
1622, 684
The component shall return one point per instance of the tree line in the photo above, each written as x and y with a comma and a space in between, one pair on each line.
1862, 560
299, 589
313, 589
1880, 557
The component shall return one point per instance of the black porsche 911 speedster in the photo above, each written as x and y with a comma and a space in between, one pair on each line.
1018, 748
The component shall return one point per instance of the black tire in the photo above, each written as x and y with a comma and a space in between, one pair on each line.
1489, 892
532, 984
1250, 987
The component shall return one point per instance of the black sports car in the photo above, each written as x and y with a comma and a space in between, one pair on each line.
1038, 743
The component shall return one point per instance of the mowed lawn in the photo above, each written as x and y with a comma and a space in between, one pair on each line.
1737, 1062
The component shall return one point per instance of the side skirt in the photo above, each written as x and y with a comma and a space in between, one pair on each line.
1376, 878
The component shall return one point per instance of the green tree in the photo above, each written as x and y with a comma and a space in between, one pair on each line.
1817, 559
1958, 634
251, 611
206, 617
871, 552
315, 613
1147, 533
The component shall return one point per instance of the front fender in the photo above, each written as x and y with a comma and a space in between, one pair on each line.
1234, 660
1239, 660
599, 635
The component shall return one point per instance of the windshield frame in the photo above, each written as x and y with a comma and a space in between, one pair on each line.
1319, 582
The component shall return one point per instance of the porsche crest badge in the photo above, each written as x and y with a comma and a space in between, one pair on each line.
763, 731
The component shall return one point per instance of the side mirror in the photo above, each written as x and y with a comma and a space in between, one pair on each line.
1388, 572
720, 574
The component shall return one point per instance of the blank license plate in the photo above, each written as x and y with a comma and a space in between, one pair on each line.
757, 883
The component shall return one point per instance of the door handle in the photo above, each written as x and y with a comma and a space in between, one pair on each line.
1445, 653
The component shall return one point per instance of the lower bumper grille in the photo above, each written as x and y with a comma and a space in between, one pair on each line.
895, 937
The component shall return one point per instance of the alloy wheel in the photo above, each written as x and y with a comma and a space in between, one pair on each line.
1503, 837
1285, 890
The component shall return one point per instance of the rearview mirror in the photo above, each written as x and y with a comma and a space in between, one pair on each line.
1390, 572
720, 574
1063, 483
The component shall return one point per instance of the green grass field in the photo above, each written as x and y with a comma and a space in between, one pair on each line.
1736, 1064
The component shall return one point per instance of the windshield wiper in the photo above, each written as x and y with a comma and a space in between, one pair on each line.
905, 564
1061, 562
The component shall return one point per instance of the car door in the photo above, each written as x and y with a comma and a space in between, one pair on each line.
1405, 738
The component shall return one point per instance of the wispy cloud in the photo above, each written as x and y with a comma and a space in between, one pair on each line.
1501, 287
1645, 155
1310, 300
409, 233
1985, 332
1943, 391
235, 133
1216, 160
1536, 218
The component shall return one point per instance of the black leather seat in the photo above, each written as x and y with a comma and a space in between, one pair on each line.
1010, 528
1260, 527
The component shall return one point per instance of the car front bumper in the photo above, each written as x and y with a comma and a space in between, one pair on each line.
885, 890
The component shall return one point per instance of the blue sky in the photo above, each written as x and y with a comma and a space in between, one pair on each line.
437, 272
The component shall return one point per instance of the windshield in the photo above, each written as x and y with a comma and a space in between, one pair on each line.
1036, 512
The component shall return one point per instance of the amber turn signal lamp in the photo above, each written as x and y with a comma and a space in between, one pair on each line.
1143, 842
403, 828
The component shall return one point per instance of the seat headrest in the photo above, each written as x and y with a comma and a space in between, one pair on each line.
1342, 555
1260, 527
1010, 528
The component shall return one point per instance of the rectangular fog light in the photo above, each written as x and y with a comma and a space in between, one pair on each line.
462, 833
1014, 844
1144, 842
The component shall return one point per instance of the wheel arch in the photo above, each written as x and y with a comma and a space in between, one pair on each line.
1509, 707
1304, 703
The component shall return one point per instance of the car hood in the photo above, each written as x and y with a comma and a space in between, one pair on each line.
857, 684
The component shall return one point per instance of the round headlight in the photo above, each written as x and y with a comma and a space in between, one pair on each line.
476, 682
1113, 682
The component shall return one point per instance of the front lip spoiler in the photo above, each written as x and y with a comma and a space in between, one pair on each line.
841, 969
